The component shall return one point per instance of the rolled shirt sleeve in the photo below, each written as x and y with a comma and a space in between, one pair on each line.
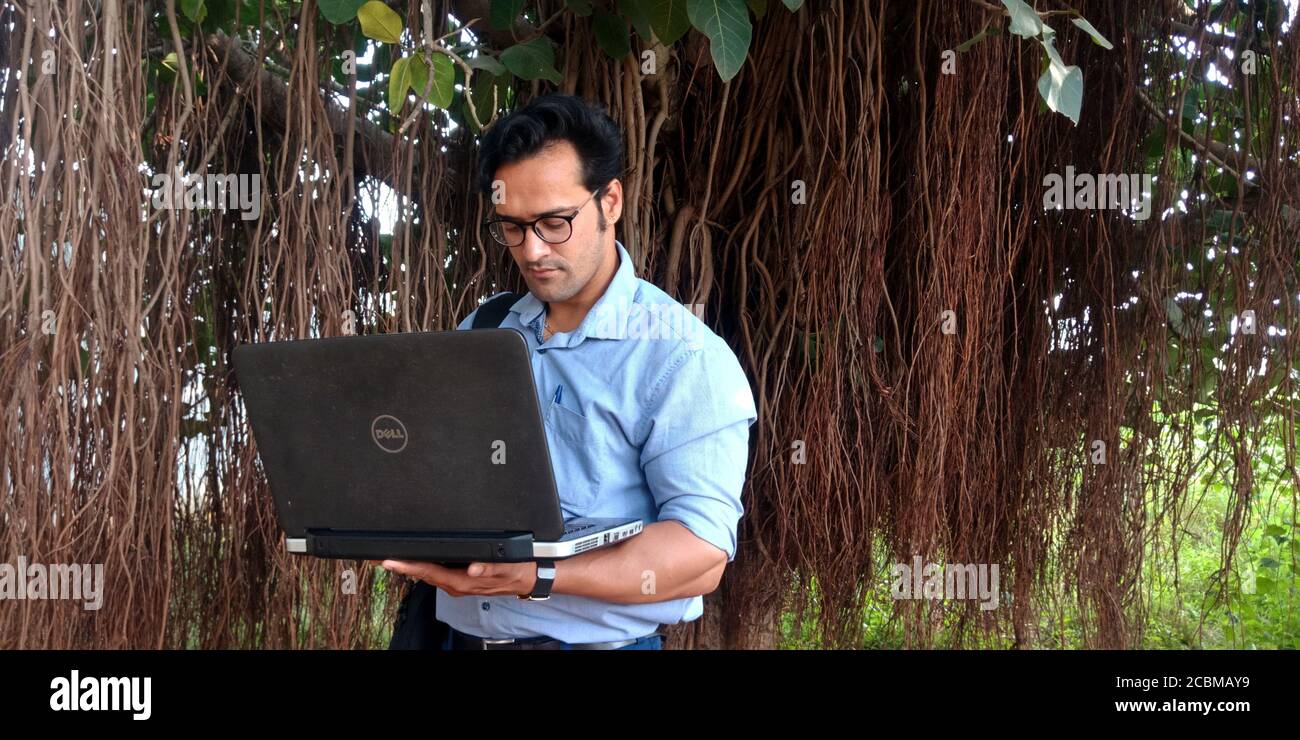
697, 446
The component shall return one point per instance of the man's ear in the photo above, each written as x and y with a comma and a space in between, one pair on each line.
612, 201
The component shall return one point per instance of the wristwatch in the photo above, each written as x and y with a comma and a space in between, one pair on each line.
545, 577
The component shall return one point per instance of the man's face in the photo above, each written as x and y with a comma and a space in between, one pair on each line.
550, 183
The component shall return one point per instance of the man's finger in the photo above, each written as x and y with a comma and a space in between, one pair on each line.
430, 572
490, 570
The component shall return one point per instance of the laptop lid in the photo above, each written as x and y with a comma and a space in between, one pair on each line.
411, 432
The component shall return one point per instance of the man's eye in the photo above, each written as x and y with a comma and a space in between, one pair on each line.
554, 223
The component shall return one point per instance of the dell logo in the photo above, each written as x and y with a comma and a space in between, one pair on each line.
389, 433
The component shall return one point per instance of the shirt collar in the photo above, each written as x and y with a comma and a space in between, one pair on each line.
608, 317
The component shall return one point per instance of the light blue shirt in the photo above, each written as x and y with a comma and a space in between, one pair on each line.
647, 415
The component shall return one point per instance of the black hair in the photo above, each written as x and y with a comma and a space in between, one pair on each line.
545, 120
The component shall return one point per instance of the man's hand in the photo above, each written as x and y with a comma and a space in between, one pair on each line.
666, 561
479, 579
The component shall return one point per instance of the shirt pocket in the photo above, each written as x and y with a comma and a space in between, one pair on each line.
574, 458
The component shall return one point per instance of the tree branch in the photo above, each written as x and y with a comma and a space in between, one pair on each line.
1215, 151
374, 146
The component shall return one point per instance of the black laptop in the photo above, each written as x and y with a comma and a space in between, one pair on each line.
416, 446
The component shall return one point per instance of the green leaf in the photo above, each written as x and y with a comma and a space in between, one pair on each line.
194, 10
581, 7
668, 19
1062, 90
611, 34
417, 74
482, 93
487, 64
1024, 19
637, 13
412, 73
1061, 86
1154, 145
758, 6
793, 5
399, 81
1274, 530
984, 33
339, 12
534, 60
221, 14
1053, 56
380, 22
726, 24
444, 82
1191, 105
1097, 38
1270, 563
502, 14
171, 61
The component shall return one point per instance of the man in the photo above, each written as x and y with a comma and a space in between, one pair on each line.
647, 412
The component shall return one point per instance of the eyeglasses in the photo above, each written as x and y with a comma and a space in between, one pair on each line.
550, 229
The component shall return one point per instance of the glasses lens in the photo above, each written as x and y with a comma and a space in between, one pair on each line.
554, 229
507, 233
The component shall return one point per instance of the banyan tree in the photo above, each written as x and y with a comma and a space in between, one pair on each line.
958, 355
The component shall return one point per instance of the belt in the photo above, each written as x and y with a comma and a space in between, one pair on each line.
463, 641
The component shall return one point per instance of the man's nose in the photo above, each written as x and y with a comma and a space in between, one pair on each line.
534, 248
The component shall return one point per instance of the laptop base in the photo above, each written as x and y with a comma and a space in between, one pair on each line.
580, 535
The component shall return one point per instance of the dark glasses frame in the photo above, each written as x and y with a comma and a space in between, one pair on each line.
493, 231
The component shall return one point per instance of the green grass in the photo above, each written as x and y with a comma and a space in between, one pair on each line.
1188, 603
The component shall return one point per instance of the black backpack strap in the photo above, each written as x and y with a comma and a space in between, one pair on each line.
491, 314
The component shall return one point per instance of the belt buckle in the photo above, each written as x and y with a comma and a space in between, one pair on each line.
489, 642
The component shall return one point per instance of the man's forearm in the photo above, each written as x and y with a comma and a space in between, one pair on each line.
666, 561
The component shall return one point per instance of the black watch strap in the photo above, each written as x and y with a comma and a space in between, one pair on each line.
545, 577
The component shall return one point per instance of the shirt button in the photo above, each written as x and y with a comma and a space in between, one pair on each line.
486, 606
